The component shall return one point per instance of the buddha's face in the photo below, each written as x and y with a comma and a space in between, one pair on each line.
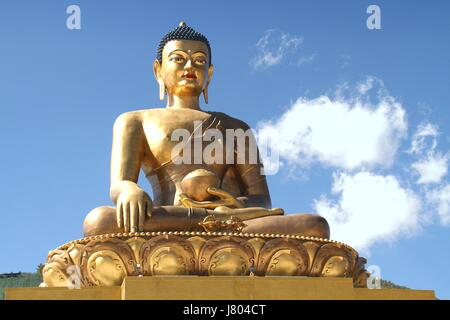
185, 69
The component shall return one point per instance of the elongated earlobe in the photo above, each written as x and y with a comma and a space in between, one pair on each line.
205, 91
205, 94
162, 91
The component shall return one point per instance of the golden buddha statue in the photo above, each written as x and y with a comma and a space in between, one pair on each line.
206, 217
142, 140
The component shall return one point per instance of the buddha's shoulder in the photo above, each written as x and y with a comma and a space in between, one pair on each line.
230, 122
127, 119
159, 113
139, 116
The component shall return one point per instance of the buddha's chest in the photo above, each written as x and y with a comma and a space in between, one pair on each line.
168, 137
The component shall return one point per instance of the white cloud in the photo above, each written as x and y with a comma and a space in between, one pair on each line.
358, 130
366, 86
347, 133
307, 59
431, 165
419, 140
440, 197
431, 169
370, 208
273, 47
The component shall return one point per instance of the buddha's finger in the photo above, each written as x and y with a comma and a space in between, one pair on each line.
134, 214
277, 211
148, 208
141, 216
126, 216
201, 204
187, 202
183, 196
219, 193
119, 214
226, 199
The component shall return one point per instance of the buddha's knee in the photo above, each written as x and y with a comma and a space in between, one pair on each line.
321, 226
101, 220
310, 225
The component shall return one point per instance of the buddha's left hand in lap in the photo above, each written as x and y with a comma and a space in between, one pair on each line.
225, 199
228, 205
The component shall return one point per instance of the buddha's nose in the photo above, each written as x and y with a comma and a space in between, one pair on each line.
188, 64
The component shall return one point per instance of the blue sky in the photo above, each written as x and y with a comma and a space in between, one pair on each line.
386, 90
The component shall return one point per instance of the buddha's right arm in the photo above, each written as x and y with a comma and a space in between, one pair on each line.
132, 203
127, 154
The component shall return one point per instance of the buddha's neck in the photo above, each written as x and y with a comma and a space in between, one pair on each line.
183, 102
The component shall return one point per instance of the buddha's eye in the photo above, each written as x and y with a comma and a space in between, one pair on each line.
200, 61
177, 59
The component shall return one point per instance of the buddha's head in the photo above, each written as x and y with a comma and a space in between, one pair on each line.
183, 64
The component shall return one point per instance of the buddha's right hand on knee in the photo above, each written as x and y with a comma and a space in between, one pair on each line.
134, 205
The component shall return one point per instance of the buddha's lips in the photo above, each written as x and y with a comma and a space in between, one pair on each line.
190, 76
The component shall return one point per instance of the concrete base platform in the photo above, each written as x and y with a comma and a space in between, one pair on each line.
222, 288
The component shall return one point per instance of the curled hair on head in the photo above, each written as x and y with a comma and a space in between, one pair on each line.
182, 32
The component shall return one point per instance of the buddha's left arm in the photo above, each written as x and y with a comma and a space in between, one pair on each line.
256, 191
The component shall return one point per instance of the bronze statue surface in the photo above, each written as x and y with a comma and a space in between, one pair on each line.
219, 211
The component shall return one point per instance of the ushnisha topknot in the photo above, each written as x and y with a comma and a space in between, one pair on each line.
182, 32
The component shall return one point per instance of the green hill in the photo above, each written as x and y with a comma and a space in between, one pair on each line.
386, 284
22, 281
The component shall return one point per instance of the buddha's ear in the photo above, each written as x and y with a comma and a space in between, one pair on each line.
156, 69
210, 73
205, 90
157, 73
